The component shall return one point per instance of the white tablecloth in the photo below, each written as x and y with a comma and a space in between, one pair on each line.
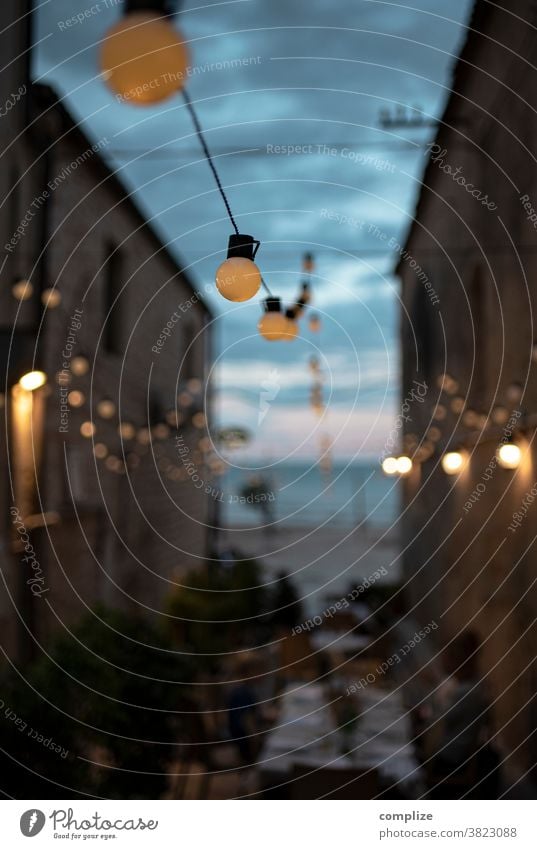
305, 734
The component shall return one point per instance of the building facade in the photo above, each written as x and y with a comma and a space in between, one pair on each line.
469, 272
97, 505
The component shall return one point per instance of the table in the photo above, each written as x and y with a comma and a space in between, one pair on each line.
305, 734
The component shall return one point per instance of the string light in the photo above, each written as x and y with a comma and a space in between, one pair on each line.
509, 455
389, 466
87, 429
106, 408
453, 462
75, 398
79, 366
238, 278
404, 465
51, 298
143, 58
273, 324
33, 380
22, 289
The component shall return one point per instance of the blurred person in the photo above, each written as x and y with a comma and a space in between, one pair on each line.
463, 761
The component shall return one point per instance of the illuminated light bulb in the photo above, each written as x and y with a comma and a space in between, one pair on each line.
509, 455
314, 323
453, 462
199, 420
238, 278
457, 405
389, 466
440, 413
106, 408
79, 366
51, 298
273, 324
184, 399
100, 450
87, 429
33, 380
75, 398
144, 59
126, 430
22, 289
404, 465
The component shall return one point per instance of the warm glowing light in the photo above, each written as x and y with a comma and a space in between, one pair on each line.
143, 436
273, 324
440, 412
199, 420
51, 298
453, 462
79, 366
514, 392
404, 465
144, 59
87, 429
33, 380
76, 398
106, 408
509, 455
238, 279
457, 405
434, 433
100, 450
22, 290
126, 430
389, 466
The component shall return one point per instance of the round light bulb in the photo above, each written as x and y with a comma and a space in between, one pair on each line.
509, 455
33, 380
238, 279
51, 298
144, 59
87, 429
106, 408
126, 430
75, 398
79, 366
404, 465
452, 462
22, 290
389, 466
272, 326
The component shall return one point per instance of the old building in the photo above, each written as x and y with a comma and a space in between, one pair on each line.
96, 502
468, 271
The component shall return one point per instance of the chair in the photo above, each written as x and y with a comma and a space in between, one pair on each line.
310, 783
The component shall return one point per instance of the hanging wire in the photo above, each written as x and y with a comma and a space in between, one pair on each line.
199, 132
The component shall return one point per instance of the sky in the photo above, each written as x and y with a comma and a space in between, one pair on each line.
314, 75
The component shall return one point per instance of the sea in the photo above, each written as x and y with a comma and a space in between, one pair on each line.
302, 494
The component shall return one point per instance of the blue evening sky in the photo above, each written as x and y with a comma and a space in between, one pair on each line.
313, 74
